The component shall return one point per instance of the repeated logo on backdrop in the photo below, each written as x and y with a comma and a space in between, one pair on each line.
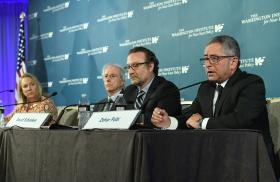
252, 62
57, 58
178, 70
116, 17
41, 36
75, 81
57, 7
140, 42
164, 4
199, 31
74, 28
263, 19
70, 42
90, 52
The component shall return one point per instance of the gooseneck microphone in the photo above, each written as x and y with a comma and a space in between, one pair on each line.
194, 84
167, 92
2, 91
41, 100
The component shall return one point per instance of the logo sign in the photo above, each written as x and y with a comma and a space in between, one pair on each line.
252, 62
112, 119
28, 120
140, 42
200, 31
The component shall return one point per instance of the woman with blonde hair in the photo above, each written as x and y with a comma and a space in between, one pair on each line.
29, 92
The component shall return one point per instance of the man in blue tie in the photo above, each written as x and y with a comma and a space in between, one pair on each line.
148, 90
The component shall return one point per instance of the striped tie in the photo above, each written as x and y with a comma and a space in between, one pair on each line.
139, 100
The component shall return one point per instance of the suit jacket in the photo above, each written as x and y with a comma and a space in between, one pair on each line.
99, 107
242, 105
161, 93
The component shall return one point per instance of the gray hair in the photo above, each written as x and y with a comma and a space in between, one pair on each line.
122, 71
230, 45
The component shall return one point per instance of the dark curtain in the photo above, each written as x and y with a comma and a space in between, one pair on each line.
9, 26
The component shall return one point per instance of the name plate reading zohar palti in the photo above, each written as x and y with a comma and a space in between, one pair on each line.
112, 119
28, 120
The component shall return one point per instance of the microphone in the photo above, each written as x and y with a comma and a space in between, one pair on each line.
2, 91
167, 92
51, 95
194, 84
93, 103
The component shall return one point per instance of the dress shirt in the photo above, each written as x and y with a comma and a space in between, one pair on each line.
205, 120
114, 96
174, 121
146, 88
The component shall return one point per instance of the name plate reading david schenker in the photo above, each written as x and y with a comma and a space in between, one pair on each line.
28, 120
112, 119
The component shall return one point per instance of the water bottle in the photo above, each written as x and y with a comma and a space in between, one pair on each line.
120, 103
2, 121
83, 111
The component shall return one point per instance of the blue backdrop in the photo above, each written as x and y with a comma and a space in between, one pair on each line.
70, 41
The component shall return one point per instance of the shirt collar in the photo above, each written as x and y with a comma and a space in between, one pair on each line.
223, 84
115, 95
146, 88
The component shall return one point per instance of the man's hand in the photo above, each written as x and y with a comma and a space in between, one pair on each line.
192, 122
160, 118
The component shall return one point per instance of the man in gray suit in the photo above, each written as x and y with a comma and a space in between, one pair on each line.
113, 77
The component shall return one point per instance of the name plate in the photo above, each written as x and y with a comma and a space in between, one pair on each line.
112, 119
28, 120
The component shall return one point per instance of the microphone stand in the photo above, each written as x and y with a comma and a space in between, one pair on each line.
194, 84
53, 94
2, 91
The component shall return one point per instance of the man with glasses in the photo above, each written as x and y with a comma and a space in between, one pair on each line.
230, 99
148, 90
113, 77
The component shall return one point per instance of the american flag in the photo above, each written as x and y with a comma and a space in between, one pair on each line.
21, 67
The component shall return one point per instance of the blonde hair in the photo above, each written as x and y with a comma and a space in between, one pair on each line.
20, 96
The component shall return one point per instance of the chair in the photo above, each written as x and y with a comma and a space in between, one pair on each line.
68, 117
273, 109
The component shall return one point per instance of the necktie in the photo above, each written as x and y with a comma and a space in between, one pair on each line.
107, 106
139, 99
219, 88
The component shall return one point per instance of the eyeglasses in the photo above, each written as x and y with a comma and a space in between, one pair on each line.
135, 65
109, 76
213, 59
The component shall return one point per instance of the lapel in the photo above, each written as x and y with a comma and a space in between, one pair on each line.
100, 106
152, 89
113, 105
130, 94
226, 91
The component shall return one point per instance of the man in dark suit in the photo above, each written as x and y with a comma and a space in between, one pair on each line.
230, 99
148, 90
113, 77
